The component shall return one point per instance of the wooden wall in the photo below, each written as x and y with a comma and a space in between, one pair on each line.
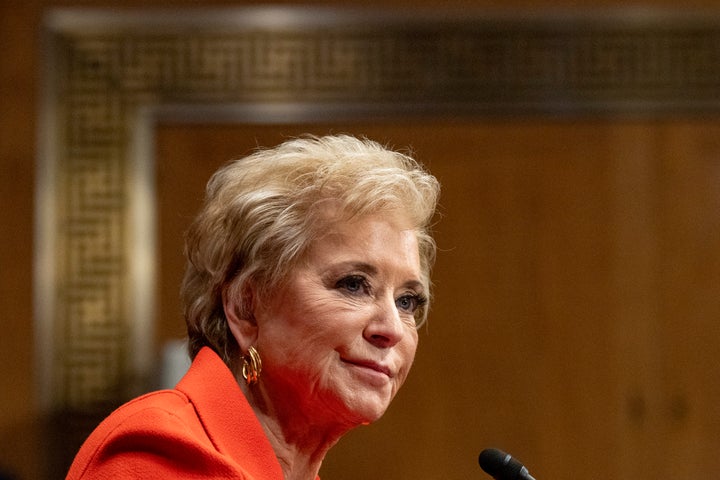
576, 322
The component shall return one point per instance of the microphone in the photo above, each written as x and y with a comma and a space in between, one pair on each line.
502, 466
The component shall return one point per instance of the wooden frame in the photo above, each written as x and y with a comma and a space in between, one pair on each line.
110, 76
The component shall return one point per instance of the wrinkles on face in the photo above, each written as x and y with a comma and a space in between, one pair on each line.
332, 338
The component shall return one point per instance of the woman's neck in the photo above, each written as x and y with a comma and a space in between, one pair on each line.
300, 443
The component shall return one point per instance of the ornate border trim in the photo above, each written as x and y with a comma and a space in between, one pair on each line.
110, 75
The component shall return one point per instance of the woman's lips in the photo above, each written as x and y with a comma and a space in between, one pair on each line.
371, 365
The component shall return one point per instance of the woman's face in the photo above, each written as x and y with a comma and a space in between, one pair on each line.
338, 339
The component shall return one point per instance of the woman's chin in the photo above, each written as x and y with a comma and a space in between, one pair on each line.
355, 405
369, 413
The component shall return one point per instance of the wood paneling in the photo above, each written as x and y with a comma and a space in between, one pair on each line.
658, 416
575, 321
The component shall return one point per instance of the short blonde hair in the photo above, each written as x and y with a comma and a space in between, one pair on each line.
263, 211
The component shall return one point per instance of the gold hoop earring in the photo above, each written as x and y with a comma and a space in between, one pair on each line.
252, 366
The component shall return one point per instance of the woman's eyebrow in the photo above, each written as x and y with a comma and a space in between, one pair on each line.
415, 285
362, 266
371, 269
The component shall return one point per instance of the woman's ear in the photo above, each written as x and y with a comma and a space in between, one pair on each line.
238, 307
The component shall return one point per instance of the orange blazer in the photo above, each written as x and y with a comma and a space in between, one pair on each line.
204, 428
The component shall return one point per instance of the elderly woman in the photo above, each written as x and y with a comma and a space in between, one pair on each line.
307, 278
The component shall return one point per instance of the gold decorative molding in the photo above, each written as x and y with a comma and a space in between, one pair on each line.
110, 75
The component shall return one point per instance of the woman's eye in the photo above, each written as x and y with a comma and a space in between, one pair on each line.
353, 284
410, 303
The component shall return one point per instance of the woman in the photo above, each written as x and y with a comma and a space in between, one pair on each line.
307, 277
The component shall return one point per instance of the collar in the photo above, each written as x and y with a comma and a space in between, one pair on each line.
227, 417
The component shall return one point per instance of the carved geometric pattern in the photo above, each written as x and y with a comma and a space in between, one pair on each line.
396, 64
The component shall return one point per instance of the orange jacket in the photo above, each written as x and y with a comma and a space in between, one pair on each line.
204, 428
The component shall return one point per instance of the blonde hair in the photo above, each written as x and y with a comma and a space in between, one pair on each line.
262, 212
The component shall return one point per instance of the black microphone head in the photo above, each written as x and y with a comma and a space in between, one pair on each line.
500, 465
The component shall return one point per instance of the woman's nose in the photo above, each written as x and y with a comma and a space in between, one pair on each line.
385, 328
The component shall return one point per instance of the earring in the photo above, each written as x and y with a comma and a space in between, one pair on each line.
252, 366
